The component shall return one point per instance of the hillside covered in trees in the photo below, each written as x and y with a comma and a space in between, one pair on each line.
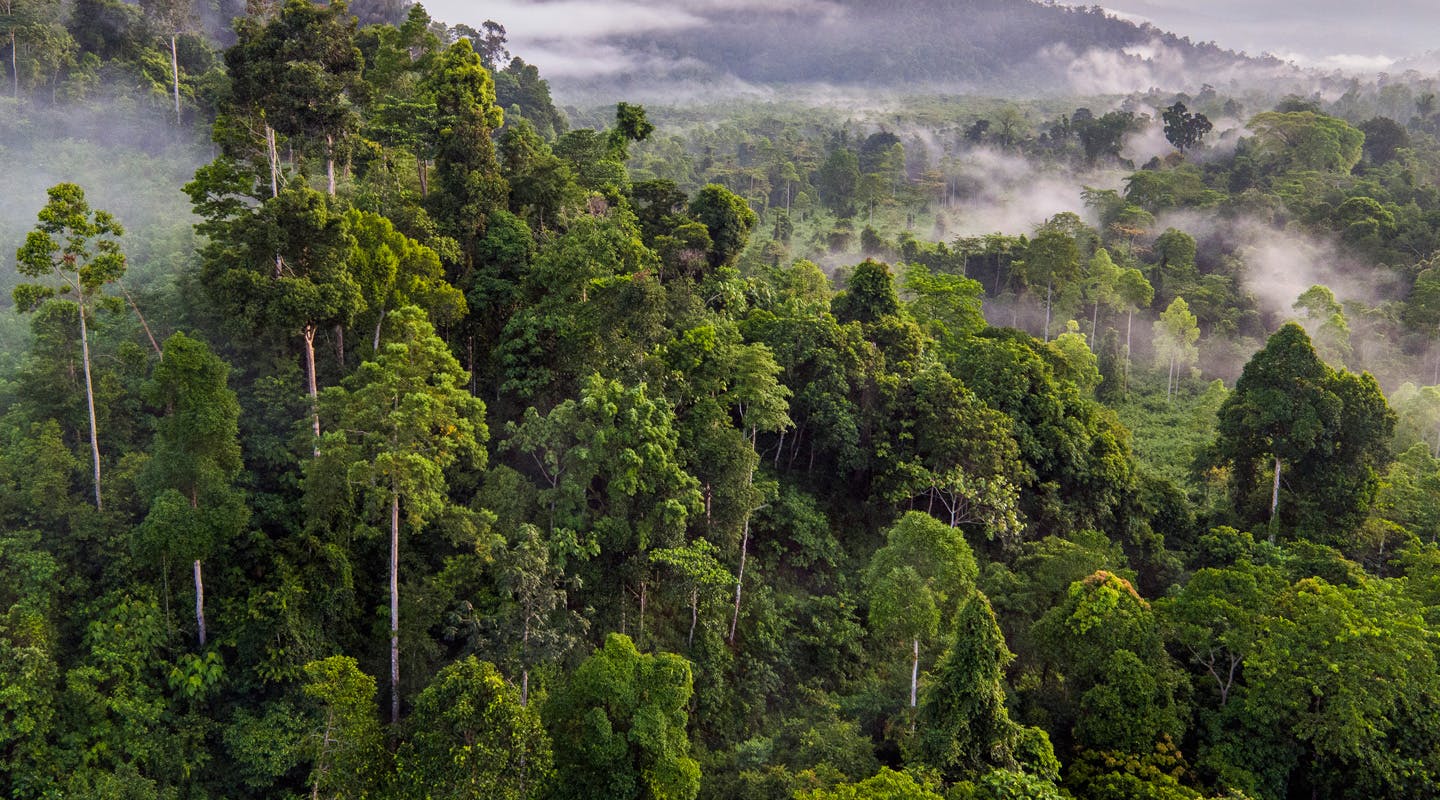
371, 426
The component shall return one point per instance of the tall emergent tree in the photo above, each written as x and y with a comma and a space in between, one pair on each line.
78, 248
403, 418
916, 581
301, 71
1183, 129
468, 183
1331, 429
195, 459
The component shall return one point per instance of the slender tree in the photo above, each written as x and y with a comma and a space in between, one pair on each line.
78, 249
403, 418
195, 459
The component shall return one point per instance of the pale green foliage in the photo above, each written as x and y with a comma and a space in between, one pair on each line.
1324, 319
345, 747
1077, 362
918, 578
884, 785
619, 727
1176, 333
403, 418
471, 737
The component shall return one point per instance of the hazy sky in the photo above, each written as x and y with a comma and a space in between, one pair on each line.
1324, 32
1327, 33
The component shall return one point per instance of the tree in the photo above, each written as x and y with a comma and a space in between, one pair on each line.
535, 624
469, 186
728, 218
1305, 140
869, 295
917, 580
964, 727
472, 737
1052, 259
1101, 286
35, 23
78, 248
283, 266
171, 18
347, 752
1332, 429
195, 459
1136, 293
394, 271
1176, 333
1185, 130
1339, 669
1326, 319
302, 71
618, 727
403, 418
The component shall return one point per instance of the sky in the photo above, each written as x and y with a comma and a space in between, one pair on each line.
1325, 33
1367, 35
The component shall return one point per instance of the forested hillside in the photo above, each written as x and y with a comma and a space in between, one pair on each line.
372, 427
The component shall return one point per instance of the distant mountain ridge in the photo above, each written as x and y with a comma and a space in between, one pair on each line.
1012, 45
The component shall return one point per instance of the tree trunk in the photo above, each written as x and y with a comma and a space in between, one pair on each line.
330, 163
14, 67
199, 582
915, 674
340, 347
378, 323
1274, 499
308, 333
740, 579
90, 403
422, 167
1049, 290
395, 605
175, 77
272, 153
1129, 320
199, 603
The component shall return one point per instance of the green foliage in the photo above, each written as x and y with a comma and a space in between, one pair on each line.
471, 736
619, 726
345, 748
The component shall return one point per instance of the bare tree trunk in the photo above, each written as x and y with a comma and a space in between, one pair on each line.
378, 323
308, 333
1129, 320
199, 603
175, 76
272, 153
330, 162
740, 579
340, 347
1049, 290
422, 166
1274, 499
395, 605
14, 67
143, 324
90, 403
915, 674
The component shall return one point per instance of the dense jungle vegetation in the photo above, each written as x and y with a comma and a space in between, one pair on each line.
371, 426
